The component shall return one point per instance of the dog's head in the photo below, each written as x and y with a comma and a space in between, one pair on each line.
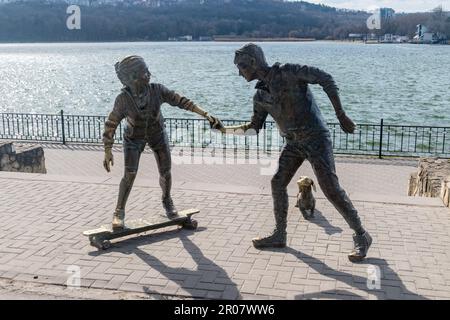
305, 183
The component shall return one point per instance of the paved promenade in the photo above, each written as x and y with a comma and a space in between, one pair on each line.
44, 215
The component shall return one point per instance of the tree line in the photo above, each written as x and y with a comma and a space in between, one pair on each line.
42, 22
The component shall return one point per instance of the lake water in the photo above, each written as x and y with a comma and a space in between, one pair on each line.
404, 84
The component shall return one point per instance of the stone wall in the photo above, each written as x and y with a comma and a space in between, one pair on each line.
21, 159
445, 191
431, 180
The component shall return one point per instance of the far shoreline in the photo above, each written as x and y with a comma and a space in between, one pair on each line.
227, 40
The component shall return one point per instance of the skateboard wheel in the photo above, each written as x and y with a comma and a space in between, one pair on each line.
96, 244
99, 243
92, 240
106, 244
190, 225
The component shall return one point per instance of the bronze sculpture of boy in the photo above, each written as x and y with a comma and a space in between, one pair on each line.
140, 103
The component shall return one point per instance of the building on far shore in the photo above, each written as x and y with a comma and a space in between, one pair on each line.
356, 36
233, 38
423, 36
393, 38
181, 38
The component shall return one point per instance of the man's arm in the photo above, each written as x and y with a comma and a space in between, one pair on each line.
113, 120
256, 123
315, 75
175, 99
346, 123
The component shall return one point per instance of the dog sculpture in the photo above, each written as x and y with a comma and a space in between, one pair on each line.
305, 198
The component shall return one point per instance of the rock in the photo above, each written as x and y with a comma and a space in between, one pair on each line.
445, 191
412, 185
431, 180
24, 159
4, 160
6, 148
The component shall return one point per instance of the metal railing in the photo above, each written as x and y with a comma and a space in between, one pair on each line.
369, 139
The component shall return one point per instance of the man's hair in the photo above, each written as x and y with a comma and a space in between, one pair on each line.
252, 50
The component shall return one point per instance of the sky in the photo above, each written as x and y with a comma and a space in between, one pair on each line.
397, 5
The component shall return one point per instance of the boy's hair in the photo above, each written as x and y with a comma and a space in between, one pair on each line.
127, 69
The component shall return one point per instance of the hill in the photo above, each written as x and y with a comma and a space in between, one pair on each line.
41, 22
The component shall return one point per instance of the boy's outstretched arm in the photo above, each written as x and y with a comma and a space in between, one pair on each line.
175, 99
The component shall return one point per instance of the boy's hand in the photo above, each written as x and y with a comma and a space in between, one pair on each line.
109, 159
216, 124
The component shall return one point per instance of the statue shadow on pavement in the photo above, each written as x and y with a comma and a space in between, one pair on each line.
355, 281
320, 220
186, 278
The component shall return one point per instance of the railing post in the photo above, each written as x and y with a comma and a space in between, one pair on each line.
62, 127
380, 155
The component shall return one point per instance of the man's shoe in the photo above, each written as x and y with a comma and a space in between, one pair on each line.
362, 245
169, 207
276, 240
118, 219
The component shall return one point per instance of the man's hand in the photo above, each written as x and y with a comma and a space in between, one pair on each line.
242, 129
215, 123
108, 159
346, 123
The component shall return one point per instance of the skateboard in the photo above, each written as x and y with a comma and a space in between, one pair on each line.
100, 237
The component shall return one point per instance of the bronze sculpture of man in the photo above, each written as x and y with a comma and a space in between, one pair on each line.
140, 103
283, 92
